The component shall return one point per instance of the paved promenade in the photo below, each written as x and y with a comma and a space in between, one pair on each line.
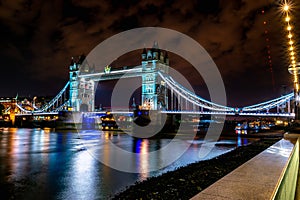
255, 179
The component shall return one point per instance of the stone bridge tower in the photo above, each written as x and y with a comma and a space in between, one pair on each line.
82, 91
154, 91
74, 83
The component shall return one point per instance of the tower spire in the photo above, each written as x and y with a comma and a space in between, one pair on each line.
155, 45
133, 104
72, 61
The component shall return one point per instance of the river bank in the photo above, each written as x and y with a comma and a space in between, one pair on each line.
187, 181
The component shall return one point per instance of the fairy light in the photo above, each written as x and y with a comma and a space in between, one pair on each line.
286, 8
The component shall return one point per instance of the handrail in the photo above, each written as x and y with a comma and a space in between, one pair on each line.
287, 183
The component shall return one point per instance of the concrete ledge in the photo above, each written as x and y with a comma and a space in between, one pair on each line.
256, 179
286, 186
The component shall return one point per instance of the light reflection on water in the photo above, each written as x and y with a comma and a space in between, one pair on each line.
38, 163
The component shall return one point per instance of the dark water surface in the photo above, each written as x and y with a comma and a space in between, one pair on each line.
42, 164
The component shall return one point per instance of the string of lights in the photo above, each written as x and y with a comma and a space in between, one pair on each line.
286, 8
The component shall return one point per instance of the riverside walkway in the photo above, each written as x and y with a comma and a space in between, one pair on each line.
269, 175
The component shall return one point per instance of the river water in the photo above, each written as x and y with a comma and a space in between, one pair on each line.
44, 164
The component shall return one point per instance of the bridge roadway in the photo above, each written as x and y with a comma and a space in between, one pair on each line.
232, 113
126, 112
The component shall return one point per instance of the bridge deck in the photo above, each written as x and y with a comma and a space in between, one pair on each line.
256, 179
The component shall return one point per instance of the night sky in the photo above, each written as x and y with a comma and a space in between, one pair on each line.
38, 38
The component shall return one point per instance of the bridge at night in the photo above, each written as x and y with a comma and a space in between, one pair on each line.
160, 92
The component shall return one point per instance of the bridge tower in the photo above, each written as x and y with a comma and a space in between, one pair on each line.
82, 90
74, 85
154, 91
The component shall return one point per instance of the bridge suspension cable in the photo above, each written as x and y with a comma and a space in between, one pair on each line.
6, 110
270, 104
55, 99
50, 104
61, 106
191, 97
196, 100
